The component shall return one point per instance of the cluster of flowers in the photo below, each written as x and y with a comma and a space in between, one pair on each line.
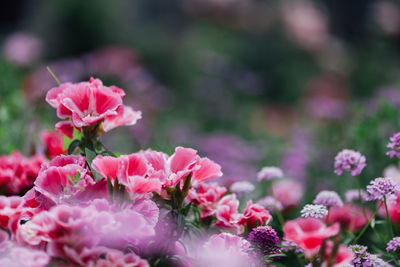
84, 206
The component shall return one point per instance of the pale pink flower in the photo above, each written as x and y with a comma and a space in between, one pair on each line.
225, 250
268, 173
241, 187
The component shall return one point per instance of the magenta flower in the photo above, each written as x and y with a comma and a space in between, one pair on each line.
349, 160
89, 103
265, 240
394, 145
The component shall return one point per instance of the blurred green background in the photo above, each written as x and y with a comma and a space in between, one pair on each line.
248, 83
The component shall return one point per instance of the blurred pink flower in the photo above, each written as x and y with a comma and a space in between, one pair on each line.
309, 233
17, 173
53, 143
22, 48
225, 250
287, 192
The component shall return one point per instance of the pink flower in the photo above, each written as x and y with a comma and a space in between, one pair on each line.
178, 166
65, 179
394, 210
66, 128
17, 172
349, 216
53, 143
227, 214
89, 103
131, 170
287, 192
343, 257
206, 197
208, 170
255, 214
225, 250
13, 255
309, 233
11, 209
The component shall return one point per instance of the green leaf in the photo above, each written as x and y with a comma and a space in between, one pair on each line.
90, 155
73, 146
67, 141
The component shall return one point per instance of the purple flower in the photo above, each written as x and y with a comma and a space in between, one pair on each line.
352, 195
393, 244
382, 188
268, 173
265, 240
315, 211
394, 145
289, 245
328, 199
362, 258
349, 160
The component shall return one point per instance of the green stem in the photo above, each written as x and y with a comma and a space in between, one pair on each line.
360, 197
389, 222
366, 226
280, 217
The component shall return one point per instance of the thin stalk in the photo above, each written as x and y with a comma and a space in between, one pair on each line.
360, 197
280, 217
389, 222
53, 75
327, 216
366, 226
